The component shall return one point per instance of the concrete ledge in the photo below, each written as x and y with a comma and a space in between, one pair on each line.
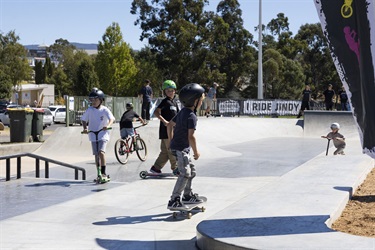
15, 148
317, 122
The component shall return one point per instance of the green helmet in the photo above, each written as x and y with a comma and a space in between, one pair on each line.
169, 84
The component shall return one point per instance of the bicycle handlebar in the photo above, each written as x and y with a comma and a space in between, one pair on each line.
140, 126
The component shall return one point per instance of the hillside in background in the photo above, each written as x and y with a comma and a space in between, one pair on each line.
84, 46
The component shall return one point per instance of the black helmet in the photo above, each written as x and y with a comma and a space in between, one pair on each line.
129, 105
189, 93
96, 93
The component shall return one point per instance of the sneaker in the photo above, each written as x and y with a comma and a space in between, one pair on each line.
191, 199
154, 170
176, 172
176, 204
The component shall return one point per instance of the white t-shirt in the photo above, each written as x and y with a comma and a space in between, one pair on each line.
97, 119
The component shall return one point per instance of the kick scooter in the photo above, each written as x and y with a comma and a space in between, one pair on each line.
100, 179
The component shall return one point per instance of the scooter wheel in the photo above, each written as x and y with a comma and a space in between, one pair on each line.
143, 174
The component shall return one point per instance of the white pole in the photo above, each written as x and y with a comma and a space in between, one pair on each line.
260, 55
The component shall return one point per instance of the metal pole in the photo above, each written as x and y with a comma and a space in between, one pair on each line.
260, 55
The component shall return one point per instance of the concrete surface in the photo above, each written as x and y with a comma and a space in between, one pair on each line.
316, 121
268, 187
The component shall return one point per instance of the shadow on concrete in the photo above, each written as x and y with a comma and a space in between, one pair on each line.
57, 183
123, 220
265, 226
136, 245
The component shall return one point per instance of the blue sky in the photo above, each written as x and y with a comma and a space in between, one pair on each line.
85, 21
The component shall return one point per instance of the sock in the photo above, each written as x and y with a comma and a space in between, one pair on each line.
102, 169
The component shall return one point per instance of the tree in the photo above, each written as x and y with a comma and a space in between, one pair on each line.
39, 72
114, 64
315, 57
87, 78
61, 50
146, 64
278, 25
13, 58
175, 31
5, 85
234, 48
49, 67
61, 82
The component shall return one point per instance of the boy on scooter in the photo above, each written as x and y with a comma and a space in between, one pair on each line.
98, 117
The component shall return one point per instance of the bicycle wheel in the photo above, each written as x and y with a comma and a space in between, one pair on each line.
141, 148
122, 151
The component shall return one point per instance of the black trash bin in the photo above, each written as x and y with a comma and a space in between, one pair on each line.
37, 125
20, 121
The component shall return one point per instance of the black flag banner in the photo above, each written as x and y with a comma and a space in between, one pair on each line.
349, 26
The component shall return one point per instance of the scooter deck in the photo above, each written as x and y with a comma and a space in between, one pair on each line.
145, 174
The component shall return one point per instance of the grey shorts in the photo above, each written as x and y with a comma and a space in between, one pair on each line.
101, 146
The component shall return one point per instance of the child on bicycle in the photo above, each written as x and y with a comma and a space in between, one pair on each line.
181, 132
126, 121
166, 110
337, 138
95, 118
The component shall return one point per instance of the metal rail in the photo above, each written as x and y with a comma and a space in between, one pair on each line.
37, 165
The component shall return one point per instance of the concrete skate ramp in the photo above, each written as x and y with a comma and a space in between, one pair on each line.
317, 123
69, 145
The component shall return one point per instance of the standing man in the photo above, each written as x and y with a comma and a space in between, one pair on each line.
211, 96
146, 97
306, 98
329, 93
344, 100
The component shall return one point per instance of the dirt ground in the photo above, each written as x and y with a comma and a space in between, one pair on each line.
358, 218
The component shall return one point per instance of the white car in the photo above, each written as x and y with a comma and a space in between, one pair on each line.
47, 118
4, 118
58, 113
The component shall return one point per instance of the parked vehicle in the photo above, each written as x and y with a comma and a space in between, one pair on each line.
47, 118
4, 107
58, 113
4, 118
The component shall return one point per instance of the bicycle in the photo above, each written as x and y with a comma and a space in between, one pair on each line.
124, 147
100, 179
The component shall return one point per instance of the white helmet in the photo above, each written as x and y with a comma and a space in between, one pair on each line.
335, 125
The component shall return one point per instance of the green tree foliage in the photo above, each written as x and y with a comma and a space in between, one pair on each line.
61, 81
61, 50
278, 25
5, 85
39, 72
235, 46
49, 67
315, 58
87, 78
13, 58
174, 30
146, 64
115, 66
